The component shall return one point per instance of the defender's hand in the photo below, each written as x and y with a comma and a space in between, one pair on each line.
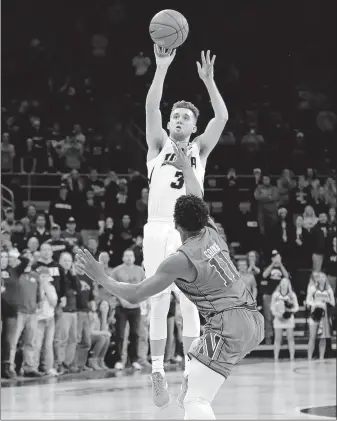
164, 57
90, 266
206, 68
182, 160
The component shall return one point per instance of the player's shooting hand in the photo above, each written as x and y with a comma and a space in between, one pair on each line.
90, 266
182, 160
164, 56
206, 68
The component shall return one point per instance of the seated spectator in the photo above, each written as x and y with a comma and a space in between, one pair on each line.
100, 336
271, 276
95, 184
41, 232
311, 178
72, 154
29, 221
319, 200
71, 236
56, 139
58, 244
319, 297
332, 220
76, 189
44, 337
247, 277
85, 304
33, 246
7, 154
65, 339
60, 209
284, 305
93, 247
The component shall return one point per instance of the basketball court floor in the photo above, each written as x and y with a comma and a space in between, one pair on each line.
257, 389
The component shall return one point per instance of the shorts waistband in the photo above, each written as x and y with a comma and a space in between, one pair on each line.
161, 220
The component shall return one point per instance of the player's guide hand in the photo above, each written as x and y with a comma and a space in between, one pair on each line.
206, 68
164, 56
182, 160
90, 266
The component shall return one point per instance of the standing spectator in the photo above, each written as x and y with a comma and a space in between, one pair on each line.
331, 265
247, 277
41, 232
108, 241
71, 236
58, 244
40, 144
97, 152
137, 249
60, 210
300, 197
100, 336
271, 277
93, 247
8, 223
285, 185
284, 304
125, 233
231, 198
129, 273
320, 201
141, 64
267, 197
78, 134
76, 190
141, 209
43, 344
320, 242
29, 221
283, 235
85, 304
7, 154
90, 218
309, 217
28, 157
311, 178
332, 220
33, 246
46, 260
66, 324
28, 299
331, 191
320, 296
72, 154
110, 195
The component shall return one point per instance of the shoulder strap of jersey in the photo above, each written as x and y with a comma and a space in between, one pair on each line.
211, 224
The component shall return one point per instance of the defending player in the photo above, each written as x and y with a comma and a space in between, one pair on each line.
204, 272
166, 186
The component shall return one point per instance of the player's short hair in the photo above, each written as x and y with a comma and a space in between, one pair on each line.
191, 213
188, 105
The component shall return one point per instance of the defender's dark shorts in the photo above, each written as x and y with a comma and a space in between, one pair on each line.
229, 337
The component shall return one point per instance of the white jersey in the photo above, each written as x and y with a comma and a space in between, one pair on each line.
167, 183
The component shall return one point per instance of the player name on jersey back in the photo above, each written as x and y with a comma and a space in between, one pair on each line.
167, 184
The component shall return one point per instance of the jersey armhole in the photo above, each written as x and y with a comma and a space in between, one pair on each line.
190, 261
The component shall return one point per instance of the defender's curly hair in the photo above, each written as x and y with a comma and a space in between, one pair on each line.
191, 213
188, 105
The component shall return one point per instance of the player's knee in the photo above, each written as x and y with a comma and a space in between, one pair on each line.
158, 316
198, 408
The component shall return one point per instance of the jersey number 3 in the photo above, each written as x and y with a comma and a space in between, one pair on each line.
179, 180
224, 268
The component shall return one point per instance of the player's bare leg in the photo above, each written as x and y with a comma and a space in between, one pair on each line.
204, 384
158, 332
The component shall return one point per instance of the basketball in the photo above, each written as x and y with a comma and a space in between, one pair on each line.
169, 29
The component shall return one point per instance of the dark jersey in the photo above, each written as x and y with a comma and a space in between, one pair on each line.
218, 286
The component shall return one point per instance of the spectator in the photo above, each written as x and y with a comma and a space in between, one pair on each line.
285, 185
78, 134
141, 208
247, 231
44, 337
123, 205
267, 197
141, 64
9, 222
58, 244
247, 277
41, 232
29, 221
128, 272
28, 298
33, 246
97, 152
319, 297
72, 154
56, 139
309, 217
137, 249
284, 305
100, 336
7, 154
253, 263
90, 218
110, 195
28, 157
320, 201
108, 241
125, 234
76, 189
332, 220
331, 191
71, 236
18, 237
93, 247
331, 265
60, 210
271, 276
284, 234
66, 324
95, 184
320, 242
300, 196
85, 304
46, 260
40, 144
312, 179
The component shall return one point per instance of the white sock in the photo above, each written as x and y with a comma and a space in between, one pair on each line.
158, 364
187, 365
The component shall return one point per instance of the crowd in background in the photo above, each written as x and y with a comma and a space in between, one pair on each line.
73, 104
